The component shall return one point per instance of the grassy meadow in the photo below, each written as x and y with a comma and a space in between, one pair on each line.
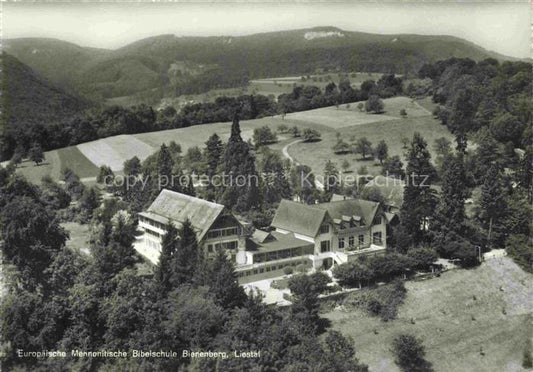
347, 120
469, 320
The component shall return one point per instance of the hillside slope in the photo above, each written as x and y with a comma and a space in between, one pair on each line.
216, 62
28, 100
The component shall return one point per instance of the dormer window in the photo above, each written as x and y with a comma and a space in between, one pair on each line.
324, 229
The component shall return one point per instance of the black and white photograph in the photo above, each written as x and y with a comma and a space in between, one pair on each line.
300, 186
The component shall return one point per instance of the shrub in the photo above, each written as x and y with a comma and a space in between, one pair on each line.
381, 301
410, 354
311, 135
264, 136
422, 258
288, 270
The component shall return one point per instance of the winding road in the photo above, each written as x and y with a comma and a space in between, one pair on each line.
319, 185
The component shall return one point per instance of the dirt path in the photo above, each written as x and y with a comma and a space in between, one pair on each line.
286, 154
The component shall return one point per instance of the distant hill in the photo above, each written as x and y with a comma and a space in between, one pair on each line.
171, 65
27, 99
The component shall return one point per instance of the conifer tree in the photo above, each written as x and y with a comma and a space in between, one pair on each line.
169, 247
419, 199
242, 191
185, 260
223, 282
213, 155
493, 203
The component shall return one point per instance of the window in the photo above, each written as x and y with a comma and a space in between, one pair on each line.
261, 271
376, 237
351, 241
341, 243
324, 229
325, 246
226, 245
361, 239
377, 220
215, 233
268, 268
210, 248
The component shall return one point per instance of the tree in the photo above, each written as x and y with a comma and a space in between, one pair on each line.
239, 163
419, 199
169, 247
450, 214
493, 204
31, 234
89, 202
311, 135
374, 104
213, 154
305, 303
275, 181
186, 259
360, 106
345, 165
363, 146
164, 165
105, 175
132, 167
403, 113
36, 153
223, 282
410, 354
18, 154
264, 136
520, 248
393, 167
295, 132
381, 151
341, 147
331, 178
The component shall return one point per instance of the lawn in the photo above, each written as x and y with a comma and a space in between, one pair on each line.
71, 157
392, 130
113, 151
79, 236
86, 158
456, 327
51, 166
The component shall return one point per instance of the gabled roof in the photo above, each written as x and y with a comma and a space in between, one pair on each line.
351, 207
299, 218
261, 236
179, 207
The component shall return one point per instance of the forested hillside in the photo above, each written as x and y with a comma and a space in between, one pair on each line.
169, 65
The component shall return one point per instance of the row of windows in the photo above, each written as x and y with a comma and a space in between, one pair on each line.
377, 238
351, 241
153, 233
285, 253
223, 232
148, 221
268, 269
226, 246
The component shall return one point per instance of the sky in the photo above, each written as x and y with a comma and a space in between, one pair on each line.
501, 27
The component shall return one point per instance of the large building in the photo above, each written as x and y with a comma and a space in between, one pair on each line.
318, 235
214, 225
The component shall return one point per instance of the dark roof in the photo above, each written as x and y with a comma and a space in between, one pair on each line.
390, 188
351, 208
179, 207
281, 241
299, 218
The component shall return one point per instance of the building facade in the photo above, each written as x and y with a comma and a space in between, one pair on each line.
318, 235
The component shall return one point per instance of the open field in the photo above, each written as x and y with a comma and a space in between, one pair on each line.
85, 158
351, 123
113, 151
453, 325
